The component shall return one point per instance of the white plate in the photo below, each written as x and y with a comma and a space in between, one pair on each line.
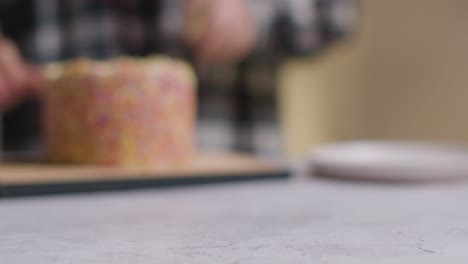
391, 161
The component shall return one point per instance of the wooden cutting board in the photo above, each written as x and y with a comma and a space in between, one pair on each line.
40, 178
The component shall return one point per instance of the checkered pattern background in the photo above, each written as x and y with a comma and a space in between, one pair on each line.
237, 102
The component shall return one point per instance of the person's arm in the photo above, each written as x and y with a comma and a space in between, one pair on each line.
225, 30
18, 78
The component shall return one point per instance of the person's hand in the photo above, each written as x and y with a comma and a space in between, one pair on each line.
219, 31
17, 78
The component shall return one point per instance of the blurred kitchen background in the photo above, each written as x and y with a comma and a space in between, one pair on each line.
389, 69
401, 76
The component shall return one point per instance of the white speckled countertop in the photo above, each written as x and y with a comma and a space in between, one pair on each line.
308, 221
